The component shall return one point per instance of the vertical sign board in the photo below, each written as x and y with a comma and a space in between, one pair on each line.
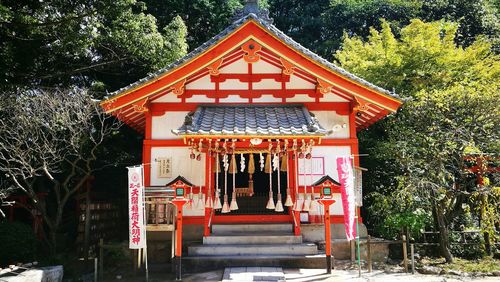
358, 191
165, 167
136, 228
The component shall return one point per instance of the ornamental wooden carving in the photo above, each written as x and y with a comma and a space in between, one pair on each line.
251, 48
178, 88
140, 106
213, 69
288, 68
360, 105
323, 87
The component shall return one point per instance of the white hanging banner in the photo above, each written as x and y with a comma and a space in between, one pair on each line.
358, 186
136, 228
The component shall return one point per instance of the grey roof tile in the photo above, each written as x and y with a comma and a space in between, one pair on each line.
251, 120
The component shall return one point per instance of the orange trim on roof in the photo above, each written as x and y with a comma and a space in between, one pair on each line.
249, 30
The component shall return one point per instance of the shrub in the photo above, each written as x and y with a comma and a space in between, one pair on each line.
18, 243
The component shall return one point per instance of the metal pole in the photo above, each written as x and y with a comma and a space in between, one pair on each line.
145, 250
357, 239
172, 255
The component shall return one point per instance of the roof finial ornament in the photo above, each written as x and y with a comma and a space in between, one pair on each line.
252, 7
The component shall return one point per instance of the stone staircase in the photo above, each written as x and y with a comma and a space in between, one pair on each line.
253, 245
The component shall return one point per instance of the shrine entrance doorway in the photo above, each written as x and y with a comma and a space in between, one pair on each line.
252, 189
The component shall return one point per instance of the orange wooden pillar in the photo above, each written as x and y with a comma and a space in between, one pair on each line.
179, 203
296, 214
328, 241
208, 189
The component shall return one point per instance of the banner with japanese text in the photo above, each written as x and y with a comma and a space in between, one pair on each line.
137, 229
346, 179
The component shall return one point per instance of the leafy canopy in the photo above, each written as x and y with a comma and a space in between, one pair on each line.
424, 57
99, 42
451, 106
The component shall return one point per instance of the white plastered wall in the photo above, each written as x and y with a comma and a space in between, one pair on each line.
201, 83
329, 155
299, 83
239, 66
328, 119
161, 126
264, 67
192, 170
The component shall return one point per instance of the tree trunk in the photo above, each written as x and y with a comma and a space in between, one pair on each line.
444, 242
54, 227
483, 225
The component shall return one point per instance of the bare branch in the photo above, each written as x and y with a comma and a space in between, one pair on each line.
55, 135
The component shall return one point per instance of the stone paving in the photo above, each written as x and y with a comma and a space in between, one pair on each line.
253, 274
306, 275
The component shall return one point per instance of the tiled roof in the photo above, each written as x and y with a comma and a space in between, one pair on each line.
179, 178
266, 23
324, 179
251, 120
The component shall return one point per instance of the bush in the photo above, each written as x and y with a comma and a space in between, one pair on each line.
18, 243
472, 250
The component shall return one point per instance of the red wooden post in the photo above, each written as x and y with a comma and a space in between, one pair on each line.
208, 211
179, 203
328, 241
293, 177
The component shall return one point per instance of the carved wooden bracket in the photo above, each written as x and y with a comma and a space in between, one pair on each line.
141, 106
360, 105
178, 88
323, 87
288, 68
213, 69
251, 48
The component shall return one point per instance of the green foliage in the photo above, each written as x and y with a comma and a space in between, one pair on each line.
484, 265
17, 243
391, 224
424, 57
319, 24
472, 250
83, 42
203, 18
479, 17
451, 106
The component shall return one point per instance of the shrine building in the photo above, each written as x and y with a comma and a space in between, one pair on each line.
251, 122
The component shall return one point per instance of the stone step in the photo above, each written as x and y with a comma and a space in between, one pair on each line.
250, 228
204, 263
245, 250
253, 239
253, 274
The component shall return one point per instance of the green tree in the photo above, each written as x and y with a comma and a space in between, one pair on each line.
451, 106
319, 24
479, 17
83, 42
203, 18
